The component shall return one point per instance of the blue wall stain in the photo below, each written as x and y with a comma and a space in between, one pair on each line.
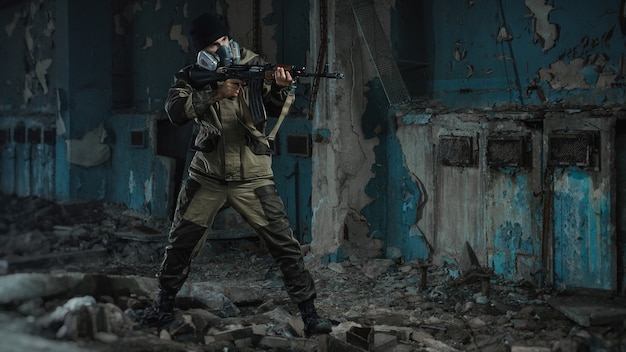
506, 242
396, 198
517, 242
417, 119
375, 115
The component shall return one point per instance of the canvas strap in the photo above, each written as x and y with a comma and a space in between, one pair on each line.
285, 110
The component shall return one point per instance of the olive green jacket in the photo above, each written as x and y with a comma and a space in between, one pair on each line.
228, 146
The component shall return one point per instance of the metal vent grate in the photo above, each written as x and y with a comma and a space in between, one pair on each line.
456, 151
19, 133
508, 151
380, 51
138, 138
299, 145
580, 149
33, 135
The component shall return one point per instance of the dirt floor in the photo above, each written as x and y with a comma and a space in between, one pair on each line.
375, 304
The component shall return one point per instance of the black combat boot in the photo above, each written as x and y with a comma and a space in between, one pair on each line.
160, 314
313, 323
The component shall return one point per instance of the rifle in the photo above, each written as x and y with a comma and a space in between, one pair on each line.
201, 77
253, 75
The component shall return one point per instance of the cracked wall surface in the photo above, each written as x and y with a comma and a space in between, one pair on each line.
28, 58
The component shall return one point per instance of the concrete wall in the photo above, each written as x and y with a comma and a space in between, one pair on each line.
493, 73
92, 77
408, 180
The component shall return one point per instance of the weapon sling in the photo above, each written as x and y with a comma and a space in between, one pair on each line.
283, 112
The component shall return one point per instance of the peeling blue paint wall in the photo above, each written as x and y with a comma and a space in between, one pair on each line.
517, 238
492, 53
77, 66
377, 188
520, 57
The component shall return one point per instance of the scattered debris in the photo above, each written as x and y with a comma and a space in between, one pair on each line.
88, 263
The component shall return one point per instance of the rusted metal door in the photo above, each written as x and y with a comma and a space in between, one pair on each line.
579, 185
514, 203
459, 189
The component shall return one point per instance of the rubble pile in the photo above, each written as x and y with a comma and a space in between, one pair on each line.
69, 273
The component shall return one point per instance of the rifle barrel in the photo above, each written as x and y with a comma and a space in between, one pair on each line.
337, 75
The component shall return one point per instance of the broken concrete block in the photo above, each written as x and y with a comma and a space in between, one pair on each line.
302, 344
274, 342
105, 337
383, 342
203, 319
244, 343
23, 286
241, 295
529, 349
329, 343
15, 341
589, 311
296, 326
183, 324
361, 337
234, 334
165, 335
289, 344
402, 333
259, 330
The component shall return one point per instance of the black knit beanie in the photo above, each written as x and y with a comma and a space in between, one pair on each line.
206, 29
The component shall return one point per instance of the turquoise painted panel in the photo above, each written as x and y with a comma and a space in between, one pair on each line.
292, 173
582, 236
8, 168
22, 165
130, 179
515, 216
42, 156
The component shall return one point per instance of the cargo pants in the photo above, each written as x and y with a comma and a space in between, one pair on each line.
260, 205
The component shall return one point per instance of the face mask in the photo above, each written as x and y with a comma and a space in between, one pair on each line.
207, 60
224, 56
234, 49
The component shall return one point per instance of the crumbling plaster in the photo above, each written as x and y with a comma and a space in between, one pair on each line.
37, 23
545, 32
343, 166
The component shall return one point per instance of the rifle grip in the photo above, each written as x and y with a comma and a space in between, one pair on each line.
270, 73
